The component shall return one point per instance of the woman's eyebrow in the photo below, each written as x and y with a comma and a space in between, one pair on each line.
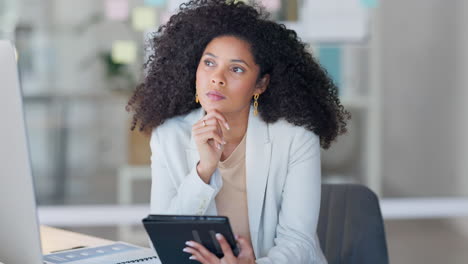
241, 61
233, 60
210, 54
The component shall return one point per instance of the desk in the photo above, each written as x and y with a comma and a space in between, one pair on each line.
54, 239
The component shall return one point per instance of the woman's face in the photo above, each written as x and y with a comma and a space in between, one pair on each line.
227, 76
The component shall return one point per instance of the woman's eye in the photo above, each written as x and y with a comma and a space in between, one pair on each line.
208, 63
237, 69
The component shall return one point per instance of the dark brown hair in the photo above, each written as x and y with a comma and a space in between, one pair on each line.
300, 90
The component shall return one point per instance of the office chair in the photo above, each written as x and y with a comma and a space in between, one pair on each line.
350, 227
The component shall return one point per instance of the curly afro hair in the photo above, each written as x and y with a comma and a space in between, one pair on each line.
300, 91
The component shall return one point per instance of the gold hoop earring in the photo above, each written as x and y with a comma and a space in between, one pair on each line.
256, 104
196, 98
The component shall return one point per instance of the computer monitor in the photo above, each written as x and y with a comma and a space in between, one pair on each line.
19, 228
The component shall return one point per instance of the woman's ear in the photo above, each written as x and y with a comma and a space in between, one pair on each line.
262, 84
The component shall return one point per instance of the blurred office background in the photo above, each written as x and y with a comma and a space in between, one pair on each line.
401, 67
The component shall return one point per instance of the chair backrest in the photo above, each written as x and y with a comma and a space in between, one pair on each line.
350, 227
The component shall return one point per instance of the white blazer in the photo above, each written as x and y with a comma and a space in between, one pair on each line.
283, 184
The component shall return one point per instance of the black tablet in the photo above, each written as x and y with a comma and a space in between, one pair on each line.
168, 233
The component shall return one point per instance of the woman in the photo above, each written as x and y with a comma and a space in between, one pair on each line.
238, 110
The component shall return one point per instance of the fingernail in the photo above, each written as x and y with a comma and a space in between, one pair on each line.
219, 146
189, 243
192, 257
185, 250
219, 236
227, 126
224, 142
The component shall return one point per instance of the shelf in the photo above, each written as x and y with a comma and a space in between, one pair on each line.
75, 96
350, 101
339, 179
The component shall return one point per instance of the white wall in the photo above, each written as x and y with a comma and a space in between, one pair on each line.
462, 150
462, 167
420, 90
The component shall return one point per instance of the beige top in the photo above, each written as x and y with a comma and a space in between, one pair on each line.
231, 200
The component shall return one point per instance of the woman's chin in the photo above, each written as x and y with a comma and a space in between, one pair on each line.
212, 107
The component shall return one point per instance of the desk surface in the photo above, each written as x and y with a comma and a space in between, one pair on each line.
54, 239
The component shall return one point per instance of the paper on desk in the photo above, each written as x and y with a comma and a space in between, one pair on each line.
115, 253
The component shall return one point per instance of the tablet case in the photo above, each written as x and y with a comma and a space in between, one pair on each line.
168, 233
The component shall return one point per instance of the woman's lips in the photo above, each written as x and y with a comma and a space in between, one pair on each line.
215, 96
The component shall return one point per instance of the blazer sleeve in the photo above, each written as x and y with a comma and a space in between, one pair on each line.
178, 194
296, 238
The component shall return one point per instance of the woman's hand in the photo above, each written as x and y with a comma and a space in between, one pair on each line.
203, 255
208, 136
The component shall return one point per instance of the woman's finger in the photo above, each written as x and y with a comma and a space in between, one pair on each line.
203, 252
215, 113
212, 121
206, 135
205, 123
227, 251
215, 127
195, 255
211, 124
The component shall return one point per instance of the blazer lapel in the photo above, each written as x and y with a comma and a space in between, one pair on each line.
257, 158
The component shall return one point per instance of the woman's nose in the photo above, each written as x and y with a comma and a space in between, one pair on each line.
218, 81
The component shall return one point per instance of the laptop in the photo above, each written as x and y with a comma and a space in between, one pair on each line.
19, 228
